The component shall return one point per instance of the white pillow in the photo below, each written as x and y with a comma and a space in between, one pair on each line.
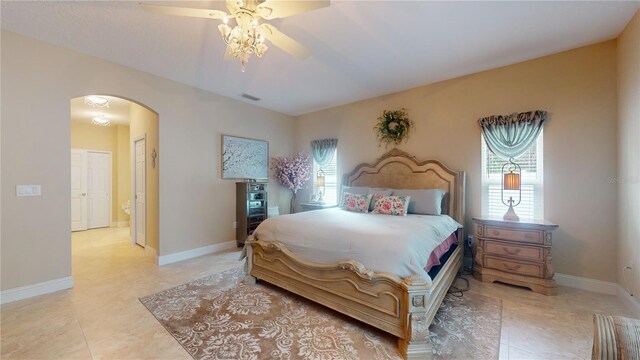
423, 201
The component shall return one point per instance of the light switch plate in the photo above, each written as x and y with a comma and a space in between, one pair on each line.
28, 190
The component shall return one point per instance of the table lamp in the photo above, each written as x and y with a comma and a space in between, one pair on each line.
320, 183
511, 181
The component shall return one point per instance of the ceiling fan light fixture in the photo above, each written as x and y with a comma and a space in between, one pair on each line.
225, 31
96, 101
244, 39
261, 49
248, 35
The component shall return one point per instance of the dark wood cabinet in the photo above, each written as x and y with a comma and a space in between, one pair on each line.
251, 208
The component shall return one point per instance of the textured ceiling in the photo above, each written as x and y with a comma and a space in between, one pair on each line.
359, 49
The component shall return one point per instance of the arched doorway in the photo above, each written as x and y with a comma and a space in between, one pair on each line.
115, 169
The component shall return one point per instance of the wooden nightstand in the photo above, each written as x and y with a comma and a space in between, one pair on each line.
316, 206
515, 252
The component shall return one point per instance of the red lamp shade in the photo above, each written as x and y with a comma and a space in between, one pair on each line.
511, 181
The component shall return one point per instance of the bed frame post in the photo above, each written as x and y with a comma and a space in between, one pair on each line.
248, 245
416, 343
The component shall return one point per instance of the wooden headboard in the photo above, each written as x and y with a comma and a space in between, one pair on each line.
398, 170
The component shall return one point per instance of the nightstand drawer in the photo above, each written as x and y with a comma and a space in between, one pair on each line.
515, 267
515, 251
530, 236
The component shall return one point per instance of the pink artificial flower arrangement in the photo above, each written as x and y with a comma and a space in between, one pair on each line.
292, 172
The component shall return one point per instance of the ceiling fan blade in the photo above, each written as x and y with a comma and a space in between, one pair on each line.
284, 42
276, 9
234, 5
191, 12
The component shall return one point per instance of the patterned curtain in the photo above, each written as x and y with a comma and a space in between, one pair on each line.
509, 136
323, 150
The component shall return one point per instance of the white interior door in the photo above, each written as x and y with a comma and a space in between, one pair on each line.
99, 171
78, 190
140, 211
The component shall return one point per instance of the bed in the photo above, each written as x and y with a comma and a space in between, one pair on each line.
402, 306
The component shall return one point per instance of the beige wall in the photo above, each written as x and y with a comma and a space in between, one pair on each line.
144, 123
577, 87
107, 138
35, 145
629, 154
124, 171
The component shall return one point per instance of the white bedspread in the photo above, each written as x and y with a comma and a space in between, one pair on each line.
399, 245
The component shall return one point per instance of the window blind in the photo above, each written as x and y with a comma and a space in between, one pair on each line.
531, 205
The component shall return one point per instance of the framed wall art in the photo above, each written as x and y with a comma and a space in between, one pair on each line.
244, 159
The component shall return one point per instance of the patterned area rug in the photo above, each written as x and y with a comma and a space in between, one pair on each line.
218, 317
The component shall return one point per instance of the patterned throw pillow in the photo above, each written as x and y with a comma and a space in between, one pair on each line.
378, 191
391, 205
375, 198
356, 202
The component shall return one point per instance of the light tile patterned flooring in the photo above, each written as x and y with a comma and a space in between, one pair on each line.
101, 317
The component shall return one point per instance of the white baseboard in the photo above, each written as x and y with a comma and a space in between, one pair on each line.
42, 288
602, 287
631, 301
582, 283
120, 224
189, 254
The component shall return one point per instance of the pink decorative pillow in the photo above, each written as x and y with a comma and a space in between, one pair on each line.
391, 205
376, 192
356, 202
376, 197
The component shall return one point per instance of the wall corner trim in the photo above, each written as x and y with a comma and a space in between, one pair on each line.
27, 291
582, 283
151, 251
632, 302
189, 254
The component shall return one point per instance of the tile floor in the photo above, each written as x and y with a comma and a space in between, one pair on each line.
101, 317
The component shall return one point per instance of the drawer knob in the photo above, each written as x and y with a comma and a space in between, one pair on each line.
512, 268
528, 236
511, 252
496, 232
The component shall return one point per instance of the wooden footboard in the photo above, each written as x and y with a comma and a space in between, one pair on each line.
402, 307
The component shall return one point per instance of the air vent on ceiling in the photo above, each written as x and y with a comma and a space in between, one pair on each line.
250, 97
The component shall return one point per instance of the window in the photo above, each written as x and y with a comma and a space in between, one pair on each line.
330, 180
531, 206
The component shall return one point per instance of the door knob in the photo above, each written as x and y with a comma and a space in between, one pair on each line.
84, 194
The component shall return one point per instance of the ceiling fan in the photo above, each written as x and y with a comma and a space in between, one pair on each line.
248, 36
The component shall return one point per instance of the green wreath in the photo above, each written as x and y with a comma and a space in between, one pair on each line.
393, 127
